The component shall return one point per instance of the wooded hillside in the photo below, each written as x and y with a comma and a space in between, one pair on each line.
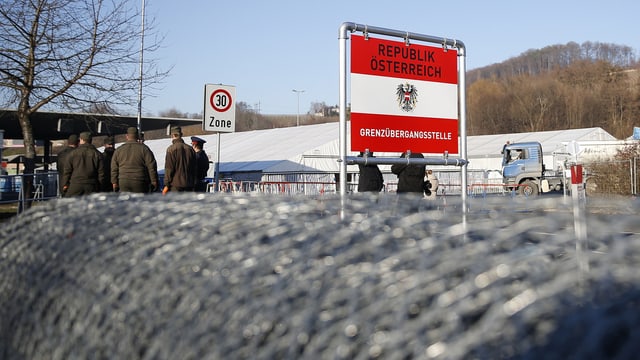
557, 87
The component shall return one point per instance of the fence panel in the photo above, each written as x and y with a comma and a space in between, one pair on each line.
618, 177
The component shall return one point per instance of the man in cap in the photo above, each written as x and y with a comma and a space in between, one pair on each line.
133, 167
84, 169
72, 143
202, 163
179, 164
109, 148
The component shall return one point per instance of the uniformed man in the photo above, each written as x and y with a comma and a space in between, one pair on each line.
72, 143
179, 164
109, 148
133, 167
202, 163
84, 169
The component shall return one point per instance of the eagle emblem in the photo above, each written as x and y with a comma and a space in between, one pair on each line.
407, 96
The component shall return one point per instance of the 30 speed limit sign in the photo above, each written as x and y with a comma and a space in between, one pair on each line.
219, 108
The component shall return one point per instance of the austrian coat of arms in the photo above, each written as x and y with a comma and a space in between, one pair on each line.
407, 96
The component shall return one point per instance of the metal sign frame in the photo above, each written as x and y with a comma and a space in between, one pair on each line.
350, 27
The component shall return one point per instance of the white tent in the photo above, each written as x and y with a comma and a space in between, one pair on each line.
315, 149
302, 149
484, 151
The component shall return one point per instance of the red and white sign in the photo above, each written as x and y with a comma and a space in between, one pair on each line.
403, 97
578, 192
219, 108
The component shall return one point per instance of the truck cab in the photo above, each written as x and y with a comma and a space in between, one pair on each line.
523, 169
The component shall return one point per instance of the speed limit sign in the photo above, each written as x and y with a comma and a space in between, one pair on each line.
219, 108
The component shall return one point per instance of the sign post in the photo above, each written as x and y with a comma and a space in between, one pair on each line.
219, 115
579, 221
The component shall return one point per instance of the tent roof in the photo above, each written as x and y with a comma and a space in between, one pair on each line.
259, 150
316, 147
483, 145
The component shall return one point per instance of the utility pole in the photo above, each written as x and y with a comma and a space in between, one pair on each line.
139, 122
298, 113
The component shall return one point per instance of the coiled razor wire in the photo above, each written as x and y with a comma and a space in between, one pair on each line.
209, 276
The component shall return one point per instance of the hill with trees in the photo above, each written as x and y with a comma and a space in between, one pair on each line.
557, 87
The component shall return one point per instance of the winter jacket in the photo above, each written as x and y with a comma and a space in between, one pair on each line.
134, 161
180, 166
202, 165
370, 178
84, 165
410, 177
60, 164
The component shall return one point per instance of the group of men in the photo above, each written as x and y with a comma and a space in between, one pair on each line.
412, 178
132, 166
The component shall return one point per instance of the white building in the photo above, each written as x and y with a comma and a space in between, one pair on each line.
310, 153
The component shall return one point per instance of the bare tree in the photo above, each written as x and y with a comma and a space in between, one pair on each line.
71, 54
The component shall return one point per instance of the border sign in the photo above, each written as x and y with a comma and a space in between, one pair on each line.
383, 118
403, 97
219, 108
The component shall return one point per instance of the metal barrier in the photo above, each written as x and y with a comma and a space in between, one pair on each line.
491, 187
297, 188
230, 186
44, 187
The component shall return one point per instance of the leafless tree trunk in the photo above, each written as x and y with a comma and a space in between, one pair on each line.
70, 54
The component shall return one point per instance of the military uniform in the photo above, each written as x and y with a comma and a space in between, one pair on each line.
202, 164
83, 169
179, 165
108, 155
133, 167
72, 142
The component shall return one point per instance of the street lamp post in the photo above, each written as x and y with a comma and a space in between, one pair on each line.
298, 113
139, 122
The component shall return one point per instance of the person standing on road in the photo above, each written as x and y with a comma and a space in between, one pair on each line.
370, 178
410, 177
179, 164
83, 169
72, 144
109, 149
202, 163
133, 167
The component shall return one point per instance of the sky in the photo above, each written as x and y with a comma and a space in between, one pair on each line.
268, 48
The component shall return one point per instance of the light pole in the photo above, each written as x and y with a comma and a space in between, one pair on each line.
298, 113
139, 122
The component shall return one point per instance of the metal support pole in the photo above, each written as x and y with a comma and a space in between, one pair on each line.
216, 171
343, 36
462, 70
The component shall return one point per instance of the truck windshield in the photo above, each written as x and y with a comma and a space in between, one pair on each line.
511, 155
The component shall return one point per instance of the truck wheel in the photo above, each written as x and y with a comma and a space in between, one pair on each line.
528, 188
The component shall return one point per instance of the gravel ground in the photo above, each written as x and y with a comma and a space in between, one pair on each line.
208, 276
